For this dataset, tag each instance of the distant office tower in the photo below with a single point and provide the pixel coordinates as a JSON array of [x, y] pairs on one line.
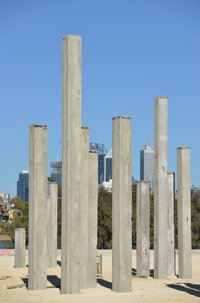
[[147, 165], [56, 171], [23, 185], [101, 155], [108, 166]]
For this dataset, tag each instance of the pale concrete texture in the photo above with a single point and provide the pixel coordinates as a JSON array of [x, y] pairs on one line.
[[184, 213], [37, 269], [170, 213], [92, 218], [20, 243], [84, 207], [121, 204], [143, 229], [52, 208], [160, 187], [71, 157]]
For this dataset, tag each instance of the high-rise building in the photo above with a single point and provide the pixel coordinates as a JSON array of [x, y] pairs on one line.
[[23, 185], [101, 149], [56, 171], [108, 166], [147, 165]]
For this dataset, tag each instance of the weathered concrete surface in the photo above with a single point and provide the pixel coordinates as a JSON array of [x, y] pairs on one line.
[[184, 213], [71, 157], [121, 205], [20, 243], [84, 207], [170, 213], [143, 229], [52, 209], [160, 187], [92, 218], [37, 269]]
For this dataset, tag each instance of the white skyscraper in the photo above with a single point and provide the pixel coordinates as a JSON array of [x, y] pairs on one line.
[[147, 165]]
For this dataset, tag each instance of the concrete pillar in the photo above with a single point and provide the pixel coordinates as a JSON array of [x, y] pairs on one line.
[[170, 214], [184, 213], [143, 229], [52, 209], [37, 268], [160, 187], [20, 250], [121, 205], [84, 203], [92, 218], [71, 156]]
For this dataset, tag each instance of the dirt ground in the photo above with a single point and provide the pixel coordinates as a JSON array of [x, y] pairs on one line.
[[143, 290]]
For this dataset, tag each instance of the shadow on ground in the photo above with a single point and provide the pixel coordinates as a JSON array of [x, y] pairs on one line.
[[192, 289], [53, 279], [104, 283]]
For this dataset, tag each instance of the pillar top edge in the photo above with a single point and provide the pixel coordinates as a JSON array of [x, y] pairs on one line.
[[78, 37], [162, 97], [170, 173], [39, 125], [84, 127], [183, 147], [93, 151], [121, 117]]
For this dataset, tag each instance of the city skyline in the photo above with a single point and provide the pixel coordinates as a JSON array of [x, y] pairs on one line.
[[132, 52]]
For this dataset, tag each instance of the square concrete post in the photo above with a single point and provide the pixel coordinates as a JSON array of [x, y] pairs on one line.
[[37, 268], [184, 213], [170, 213], [160, 187], [71, 157], [143, 229], [20, 250], [121, 205], [52, 209], [92, 219], [84, 207]]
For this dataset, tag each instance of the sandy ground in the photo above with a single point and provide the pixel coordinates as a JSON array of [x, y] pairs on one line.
[[143, 290]]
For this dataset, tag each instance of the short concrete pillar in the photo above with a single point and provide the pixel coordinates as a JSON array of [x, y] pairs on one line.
[[71, 157], [143, 229], [184, 213], [92, 219], [121, 205], [170, 214], [52, 209], [37, 267], [20, 250], [160, 187], [84, 207]]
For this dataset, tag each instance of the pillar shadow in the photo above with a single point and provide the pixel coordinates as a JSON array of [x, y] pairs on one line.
[[192, 289], [104, 283], [54, 280], [25, 280], [59, 263]]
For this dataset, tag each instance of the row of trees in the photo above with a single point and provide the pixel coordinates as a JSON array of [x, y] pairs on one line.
[[105, 219]]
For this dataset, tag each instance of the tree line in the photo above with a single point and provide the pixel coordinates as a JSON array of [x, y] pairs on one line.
[[105, 219]]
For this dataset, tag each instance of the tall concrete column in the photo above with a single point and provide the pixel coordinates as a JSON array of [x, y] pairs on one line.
[[121, 205], [52, 208], [92, 218], [84, 206], [20, 250], [170, 213], [160, 187], [184, 213], [37, 269], [71, 156], [143, 229]]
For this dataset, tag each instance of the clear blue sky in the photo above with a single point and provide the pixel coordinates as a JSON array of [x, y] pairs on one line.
[[132, 51]]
